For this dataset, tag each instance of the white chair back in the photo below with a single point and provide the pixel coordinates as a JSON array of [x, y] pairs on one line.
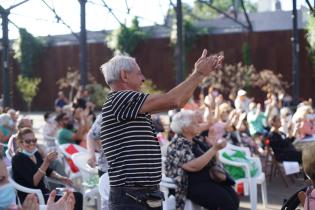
[[21, 188], [250, 183], [168, 183], [104, 188], [80, 159]]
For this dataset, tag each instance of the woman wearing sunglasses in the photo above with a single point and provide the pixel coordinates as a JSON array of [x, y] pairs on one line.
[[29, 168]]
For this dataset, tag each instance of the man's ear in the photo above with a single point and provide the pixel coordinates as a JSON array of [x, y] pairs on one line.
[[123, 76]]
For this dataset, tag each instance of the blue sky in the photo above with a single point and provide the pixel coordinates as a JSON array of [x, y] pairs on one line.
[[40, 21]]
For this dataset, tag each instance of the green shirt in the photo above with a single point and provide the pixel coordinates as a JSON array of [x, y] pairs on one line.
[[64, 136], [256, 125]]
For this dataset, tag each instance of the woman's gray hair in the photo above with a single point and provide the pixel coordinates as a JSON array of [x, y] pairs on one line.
[[111, 69], [181, 120], [4, 119]]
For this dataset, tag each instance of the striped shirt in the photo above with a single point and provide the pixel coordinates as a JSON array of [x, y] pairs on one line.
[[129, 141]]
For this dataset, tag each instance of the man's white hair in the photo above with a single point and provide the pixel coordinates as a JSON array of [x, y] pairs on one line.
[[111, 69], [182, 120]]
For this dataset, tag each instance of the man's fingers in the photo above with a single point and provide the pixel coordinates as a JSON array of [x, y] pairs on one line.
[[52, 196], [204, 53]]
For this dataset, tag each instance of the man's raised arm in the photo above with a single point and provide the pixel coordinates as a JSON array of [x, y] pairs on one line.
[[179, 95]]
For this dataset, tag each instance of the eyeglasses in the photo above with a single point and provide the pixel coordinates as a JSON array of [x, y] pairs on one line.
[[28, 141]]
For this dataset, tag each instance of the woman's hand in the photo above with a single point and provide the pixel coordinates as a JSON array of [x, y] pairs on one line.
[[219, 144], [51, 156], [30, 202], [66, 202]]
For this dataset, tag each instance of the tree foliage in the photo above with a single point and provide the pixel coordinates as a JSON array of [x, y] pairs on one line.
[[28, 87], [246, 53], [125, 39], [203, 11], [72, 81], [149, 87], [98, 93], [310, 37], [27, 50], [234, 77]]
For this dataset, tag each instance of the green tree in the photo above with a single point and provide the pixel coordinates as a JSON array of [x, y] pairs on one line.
[[310, 37], [98, 93], [234, 77], [28, 87], [203, 11], [27, 50], [246, 53], [149, 87], [125, 39], [72, 81]]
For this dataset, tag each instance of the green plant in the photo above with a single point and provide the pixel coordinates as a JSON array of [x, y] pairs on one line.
[[310, 37], [149, 87], [234, 77], [190, 30], [203, 11], [28, 87], [246, 53], [98, 93], [72, 81], [27, 50], [124, 39]]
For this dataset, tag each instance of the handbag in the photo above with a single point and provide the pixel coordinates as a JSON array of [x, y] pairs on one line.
[[217, 173]]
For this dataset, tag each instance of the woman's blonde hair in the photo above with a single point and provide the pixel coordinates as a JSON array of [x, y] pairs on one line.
[[308, 160], [21, 133]]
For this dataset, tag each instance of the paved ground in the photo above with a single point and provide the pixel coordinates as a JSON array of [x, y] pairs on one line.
[[276, 189]]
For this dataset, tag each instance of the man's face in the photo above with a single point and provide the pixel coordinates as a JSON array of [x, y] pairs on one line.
[[135, 78]]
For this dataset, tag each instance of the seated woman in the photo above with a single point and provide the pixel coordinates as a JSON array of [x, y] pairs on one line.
[[29, 169], [281, 144], [189, 166], [8, 196]]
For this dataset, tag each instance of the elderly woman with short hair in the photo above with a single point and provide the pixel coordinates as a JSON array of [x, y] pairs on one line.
[[188, 163]]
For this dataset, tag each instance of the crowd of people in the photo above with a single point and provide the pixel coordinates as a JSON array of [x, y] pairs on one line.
[[130, 140], [32, 161]]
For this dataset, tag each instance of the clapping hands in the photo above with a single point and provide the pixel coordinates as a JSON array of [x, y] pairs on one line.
[[66, 202], [205, 65], [217, 143]]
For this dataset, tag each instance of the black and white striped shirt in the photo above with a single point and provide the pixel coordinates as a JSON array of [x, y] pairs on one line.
[[129, 142]]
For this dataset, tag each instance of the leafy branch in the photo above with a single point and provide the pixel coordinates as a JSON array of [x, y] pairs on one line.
[[124, 39]]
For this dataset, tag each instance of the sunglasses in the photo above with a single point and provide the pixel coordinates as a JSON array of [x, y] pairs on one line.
[[28, 141]]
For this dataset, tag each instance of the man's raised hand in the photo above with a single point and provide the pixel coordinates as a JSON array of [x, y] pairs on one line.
[[205, 65]]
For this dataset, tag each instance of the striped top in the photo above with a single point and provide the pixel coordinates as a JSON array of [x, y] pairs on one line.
[[129, 141]]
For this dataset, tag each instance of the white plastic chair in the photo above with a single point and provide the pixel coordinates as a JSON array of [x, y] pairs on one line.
[[62, 151], [250, 183], [80, 159], [21, 188], [104, 188], [168, 183], [238, 148]]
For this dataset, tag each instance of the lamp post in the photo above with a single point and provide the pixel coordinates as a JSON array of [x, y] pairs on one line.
[[5, 53], [295, 57], [83, 50], [179, 49], [5, 58]]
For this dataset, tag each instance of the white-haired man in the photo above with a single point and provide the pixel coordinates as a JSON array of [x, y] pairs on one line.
[[127, 133]]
